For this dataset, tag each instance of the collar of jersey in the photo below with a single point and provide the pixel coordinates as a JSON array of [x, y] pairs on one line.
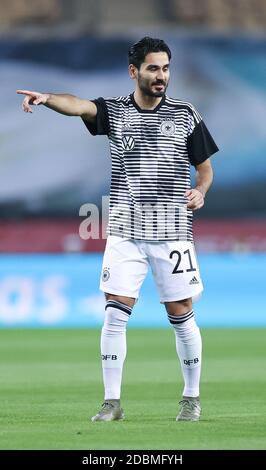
[[146, 110]]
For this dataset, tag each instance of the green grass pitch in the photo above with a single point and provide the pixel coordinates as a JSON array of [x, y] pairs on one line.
[[51, 385]]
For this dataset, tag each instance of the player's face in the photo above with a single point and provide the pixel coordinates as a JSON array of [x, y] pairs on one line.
[[153, 75]]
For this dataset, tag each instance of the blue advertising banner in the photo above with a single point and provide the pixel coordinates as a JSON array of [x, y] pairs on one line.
[[62, 291]]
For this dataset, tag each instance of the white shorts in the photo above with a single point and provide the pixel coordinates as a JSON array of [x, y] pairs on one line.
[[173, 263]]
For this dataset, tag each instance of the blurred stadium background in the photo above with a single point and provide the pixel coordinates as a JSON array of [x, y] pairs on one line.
[[50, 167]]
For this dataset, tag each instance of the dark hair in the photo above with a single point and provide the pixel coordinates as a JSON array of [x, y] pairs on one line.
[[139, 50]]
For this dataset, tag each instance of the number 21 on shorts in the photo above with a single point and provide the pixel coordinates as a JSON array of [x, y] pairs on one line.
[[188, 260]]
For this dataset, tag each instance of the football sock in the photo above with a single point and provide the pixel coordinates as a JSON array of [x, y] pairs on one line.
[[114, 347], [188, 347]]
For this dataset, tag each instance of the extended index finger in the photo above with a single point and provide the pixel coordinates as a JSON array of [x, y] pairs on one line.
[[26, 92]]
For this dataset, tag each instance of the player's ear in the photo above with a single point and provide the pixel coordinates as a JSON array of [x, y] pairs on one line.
[[133, 71]]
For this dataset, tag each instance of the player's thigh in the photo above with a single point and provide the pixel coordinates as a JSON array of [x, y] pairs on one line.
[[176, 272], [124, 267]]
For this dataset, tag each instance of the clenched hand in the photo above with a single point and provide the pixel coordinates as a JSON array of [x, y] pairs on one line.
[[195, 199]]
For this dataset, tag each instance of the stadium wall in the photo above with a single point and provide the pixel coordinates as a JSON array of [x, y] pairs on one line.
[[62, 235]]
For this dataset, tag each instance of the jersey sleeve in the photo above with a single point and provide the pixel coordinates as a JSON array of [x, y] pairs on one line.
[[200, 144], [102, 125]]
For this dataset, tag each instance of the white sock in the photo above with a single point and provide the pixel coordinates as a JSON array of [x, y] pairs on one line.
[[114, 347], [189, 348]]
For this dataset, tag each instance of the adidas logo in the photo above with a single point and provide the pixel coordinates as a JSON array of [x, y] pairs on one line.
[[194, 280]]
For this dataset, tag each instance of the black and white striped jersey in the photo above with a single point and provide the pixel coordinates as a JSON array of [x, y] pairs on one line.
[[151, 151]]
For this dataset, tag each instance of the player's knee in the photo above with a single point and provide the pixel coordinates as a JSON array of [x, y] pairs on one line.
[[129, 301], [179, 307]]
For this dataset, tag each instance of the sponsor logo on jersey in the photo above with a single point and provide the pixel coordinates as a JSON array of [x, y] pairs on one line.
[[167, 127], [128, 142], [194, 280], [126, 128]]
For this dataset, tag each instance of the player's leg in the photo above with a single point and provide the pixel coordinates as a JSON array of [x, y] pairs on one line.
[[124, 269], [113, 343], [113, 353], [189, 350], [177, 276]]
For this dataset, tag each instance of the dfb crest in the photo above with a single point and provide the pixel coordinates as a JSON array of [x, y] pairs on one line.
[[167, 127]]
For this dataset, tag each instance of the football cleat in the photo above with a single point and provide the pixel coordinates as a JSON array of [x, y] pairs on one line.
[[190, 409], [110, 411]]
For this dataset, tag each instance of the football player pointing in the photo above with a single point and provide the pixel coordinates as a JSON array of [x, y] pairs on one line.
[[154, 139]]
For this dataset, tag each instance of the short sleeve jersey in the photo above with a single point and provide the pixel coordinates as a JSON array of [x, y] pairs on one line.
[[152, 151]]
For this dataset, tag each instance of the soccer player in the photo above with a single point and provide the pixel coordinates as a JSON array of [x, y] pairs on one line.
[[154, 139]]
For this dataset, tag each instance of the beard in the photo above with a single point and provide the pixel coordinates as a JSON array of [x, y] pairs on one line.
[[146, 87]]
